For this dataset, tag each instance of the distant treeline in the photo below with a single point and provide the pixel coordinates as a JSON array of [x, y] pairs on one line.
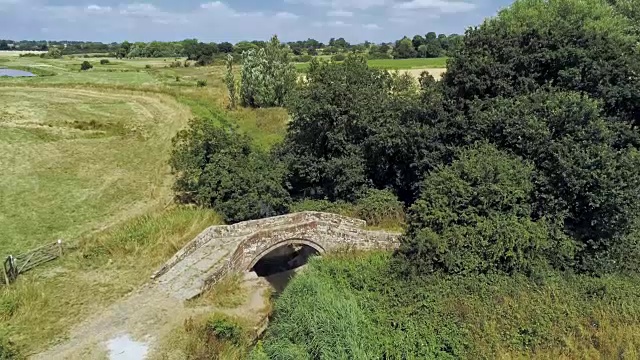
[[431, 45]]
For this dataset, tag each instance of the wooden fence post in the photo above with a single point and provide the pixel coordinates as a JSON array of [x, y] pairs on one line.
[[6, 276]]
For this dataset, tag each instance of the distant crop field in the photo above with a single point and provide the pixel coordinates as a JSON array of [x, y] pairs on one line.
[[407, 64], [395, 64], [18, 52]]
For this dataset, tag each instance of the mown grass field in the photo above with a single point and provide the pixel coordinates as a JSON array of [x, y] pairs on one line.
[[78, 160]]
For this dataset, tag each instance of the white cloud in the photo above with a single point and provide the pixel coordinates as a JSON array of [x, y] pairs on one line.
[[340, 13], [97, 9], [331, 24], [286, 15], [341, 4], [371, 26], [140, 9], [444, 6], [213, 5]]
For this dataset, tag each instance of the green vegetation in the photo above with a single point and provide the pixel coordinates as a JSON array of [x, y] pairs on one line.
[[77, 160], [209, 337], [86, 66], [103, 267], [473, 216], [519, 174], [354, 306], [217, 167], [395, 64], [267, 76]]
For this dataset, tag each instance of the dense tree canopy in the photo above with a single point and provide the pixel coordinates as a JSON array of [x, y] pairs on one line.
[[581, 45], [218, 167], [475, 216]]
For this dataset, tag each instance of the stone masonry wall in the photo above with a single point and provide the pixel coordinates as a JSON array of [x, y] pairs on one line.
[[220, 250]]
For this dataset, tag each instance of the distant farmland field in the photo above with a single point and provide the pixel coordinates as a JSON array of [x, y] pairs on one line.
[[396, 64]]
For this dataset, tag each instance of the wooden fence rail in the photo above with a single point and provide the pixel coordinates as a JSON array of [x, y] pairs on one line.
[[16, 265]]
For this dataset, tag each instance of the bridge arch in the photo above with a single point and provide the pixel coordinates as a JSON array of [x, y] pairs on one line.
[[294, 241]]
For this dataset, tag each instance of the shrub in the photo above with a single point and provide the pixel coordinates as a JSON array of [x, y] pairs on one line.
[[201, 83], [8, 350], [104, 62], [177, 78], [147, 66], [380, 208], [303, 58], [175, 64], [352, 127], [474, 216], [224, 329], [85, 66], [267, 75], [315, 319], [339, 57], [217, 167], [584, 174]]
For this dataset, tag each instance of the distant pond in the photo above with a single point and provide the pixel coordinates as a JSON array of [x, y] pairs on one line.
[[14, 73]]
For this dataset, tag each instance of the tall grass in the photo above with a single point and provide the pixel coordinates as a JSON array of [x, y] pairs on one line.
[[556, 316], [214, 336]]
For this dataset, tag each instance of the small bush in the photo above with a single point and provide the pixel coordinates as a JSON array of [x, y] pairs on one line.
[[175, 64], [147, 66], [380, 208], [104, 62], [8, 350], [223, 329], [338, 57], [337, 207], [201, 83], [86, 66], [303, 58], [177, 78]]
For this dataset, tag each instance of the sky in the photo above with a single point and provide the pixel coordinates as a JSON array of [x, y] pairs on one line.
[[237, 20]]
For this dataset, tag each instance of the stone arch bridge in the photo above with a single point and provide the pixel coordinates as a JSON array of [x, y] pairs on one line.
[[220, 250]]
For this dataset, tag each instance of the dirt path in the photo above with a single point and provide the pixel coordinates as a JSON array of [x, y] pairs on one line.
[[146, 317]]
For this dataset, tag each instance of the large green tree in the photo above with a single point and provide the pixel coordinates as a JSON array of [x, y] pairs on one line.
[[475, 216], [267, 75], [581, 45]]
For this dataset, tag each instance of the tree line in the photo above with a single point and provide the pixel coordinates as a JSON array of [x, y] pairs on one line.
[[203, 53]]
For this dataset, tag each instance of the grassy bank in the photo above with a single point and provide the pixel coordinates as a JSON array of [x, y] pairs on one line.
[[353, 306], [45, 303]]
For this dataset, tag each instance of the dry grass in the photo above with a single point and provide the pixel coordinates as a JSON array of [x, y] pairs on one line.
[[226, 294]]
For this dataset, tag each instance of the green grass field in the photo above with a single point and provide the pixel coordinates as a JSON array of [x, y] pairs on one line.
[[396, 64]]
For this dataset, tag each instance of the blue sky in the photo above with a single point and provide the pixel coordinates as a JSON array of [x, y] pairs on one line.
[[236, 20]]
